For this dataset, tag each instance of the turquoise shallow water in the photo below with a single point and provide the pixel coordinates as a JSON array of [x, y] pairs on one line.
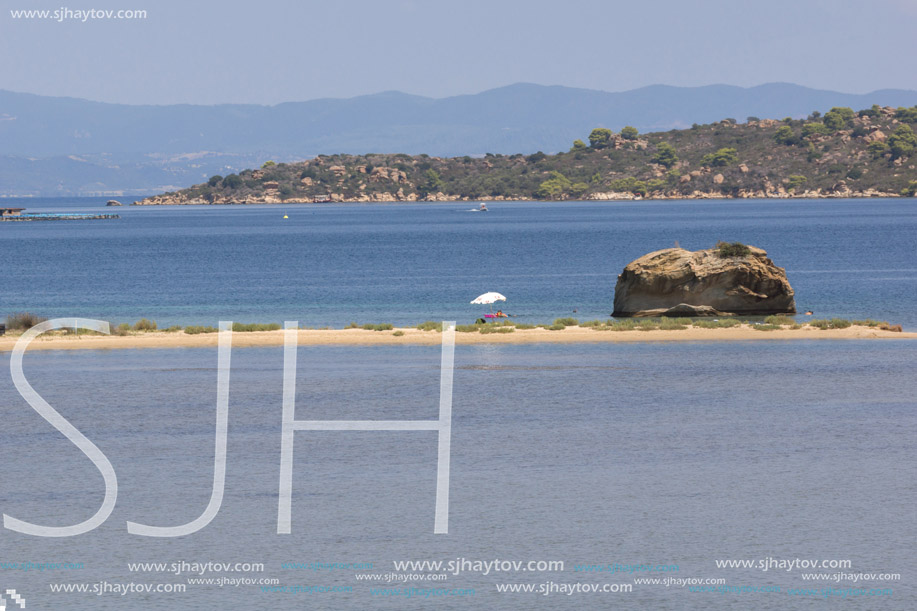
[[674, 454], [333, 264]]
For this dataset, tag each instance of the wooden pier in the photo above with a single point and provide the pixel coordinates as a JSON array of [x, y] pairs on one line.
[[50, 216]]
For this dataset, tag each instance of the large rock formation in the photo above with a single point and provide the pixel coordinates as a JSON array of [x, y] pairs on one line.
[[702, 283]]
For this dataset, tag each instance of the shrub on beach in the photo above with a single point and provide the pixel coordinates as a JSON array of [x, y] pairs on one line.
[[380, 327], [834, 323], [249, 327], [398, 333], [674, 324], [497, 329], [628, 324], [646, 324], [779, 320], [430, 325], [195, 330], [722, 323], [879, 324], [145, 325], [566, 322], [122, 329], [22, 321]]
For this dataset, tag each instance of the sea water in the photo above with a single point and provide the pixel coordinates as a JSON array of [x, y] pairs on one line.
[[332, 264], [674, 455], [657, 458]]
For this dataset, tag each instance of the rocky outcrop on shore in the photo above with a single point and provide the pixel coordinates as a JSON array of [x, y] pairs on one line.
[[181, 199], [675, 281], [841, 192]]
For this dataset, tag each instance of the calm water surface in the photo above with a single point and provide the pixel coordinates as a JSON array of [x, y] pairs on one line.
[[675, 454], [333, 264]]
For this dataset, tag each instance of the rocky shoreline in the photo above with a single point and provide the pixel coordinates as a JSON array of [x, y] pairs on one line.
[[180, 199]]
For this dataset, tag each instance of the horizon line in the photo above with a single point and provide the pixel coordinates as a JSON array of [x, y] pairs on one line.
[[460, 95]]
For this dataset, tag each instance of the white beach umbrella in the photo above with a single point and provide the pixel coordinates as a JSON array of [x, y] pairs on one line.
[[487, 298]]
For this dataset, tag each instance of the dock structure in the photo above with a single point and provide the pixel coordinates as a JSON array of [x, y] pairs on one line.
[[19, 214]]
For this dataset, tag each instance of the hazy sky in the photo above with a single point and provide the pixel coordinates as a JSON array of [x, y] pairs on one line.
[[204, 51]]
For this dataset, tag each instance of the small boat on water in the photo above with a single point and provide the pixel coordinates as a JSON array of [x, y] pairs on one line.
[[483, 207]]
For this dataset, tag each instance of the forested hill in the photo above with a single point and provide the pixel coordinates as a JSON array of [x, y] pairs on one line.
[[842, 153]]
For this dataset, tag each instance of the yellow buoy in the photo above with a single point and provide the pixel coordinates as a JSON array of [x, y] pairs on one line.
[[285, 216]]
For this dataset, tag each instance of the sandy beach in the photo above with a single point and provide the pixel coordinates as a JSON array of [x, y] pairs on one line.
[[361, 337]]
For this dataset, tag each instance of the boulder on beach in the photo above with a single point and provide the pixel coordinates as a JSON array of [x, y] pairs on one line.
[[734, 279]]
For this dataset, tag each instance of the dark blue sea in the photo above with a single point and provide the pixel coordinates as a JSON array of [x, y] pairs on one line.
[[328, 265]]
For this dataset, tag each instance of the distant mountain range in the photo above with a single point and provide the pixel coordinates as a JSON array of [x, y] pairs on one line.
[[67, 146]]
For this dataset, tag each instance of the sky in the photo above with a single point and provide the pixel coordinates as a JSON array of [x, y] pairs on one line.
[[230, 51]]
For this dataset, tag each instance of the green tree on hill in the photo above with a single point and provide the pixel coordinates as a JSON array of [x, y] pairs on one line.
[[629, 133], [578, 188], [432, 182], [903, 142], [665, 155], [215, 180], [554, 187], [723, 157], [785, 135], [632, 185], [536, 157], [815, 129], [578, 145], [907, 115], [600, 137], [877, 149], [794, 182], [839, 118], [233, 181]]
